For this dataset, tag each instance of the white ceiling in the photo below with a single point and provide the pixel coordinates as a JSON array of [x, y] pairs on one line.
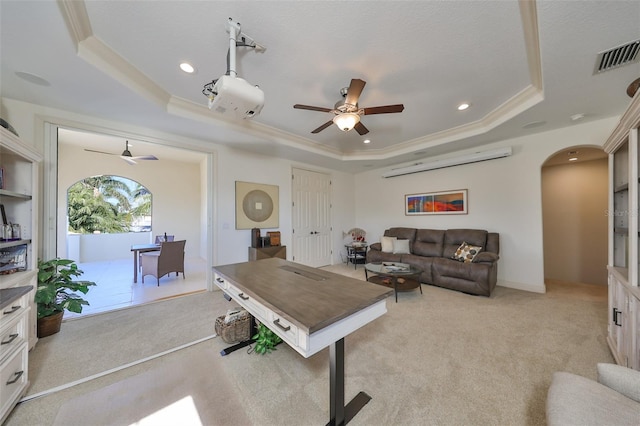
[[516, 63]]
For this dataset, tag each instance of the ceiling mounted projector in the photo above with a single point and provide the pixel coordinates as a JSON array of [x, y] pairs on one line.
[[235, 97], [230, 95]]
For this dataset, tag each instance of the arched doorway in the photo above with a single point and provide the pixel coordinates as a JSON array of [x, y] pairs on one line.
[[574, 204]]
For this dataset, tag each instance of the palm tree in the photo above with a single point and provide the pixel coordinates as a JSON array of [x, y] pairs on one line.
[[89, 213], [99, 204], [141, 201], [110, 187]]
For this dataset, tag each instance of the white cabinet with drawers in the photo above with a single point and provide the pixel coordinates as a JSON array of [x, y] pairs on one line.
[[14, 346]]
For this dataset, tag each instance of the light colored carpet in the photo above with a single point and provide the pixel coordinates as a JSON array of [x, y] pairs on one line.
[[191, 390], [90, 345], [442, 358]]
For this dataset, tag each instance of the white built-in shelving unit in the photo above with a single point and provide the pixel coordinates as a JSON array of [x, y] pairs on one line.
[[624, 238], [18, 279]]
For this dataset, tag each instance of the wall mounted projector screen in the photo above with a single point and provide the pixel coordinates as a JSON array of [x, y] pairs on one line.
[[449, 162]]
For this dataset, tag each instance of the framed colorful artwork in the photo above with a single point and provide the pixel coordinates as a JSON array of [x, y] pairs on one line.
[[443, 202]]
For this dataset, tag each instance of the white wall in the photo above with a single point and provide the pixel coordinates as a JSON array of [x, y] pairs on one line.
[[233, 165], [504, 196], [103, 247], [229, 245], [174, 186]]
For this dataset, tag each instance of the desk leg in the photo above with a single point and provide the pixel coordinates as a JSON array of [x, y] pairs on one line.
[[341, 415], [135, 267]]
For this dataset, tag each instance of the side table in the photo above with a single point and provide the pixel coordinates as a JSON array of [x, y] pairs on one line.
[[356, 253]]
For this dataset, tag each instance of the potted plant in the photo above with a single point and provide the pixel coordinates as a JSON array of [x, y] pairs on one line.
[[266, 340], [57, 292]]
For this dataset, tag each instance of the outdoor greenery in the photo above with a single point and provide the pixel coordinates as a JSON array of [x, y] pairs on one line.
[[57, 290], [106, 204]]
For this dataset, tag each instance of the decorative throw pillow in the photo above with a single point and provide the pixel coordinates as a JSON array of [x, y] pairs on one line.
[[387, 244], [401, 246], [466, 253]]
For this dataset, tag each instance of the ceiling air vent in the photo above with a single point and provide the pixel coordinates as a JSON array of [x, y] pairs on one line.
[[618, 56]]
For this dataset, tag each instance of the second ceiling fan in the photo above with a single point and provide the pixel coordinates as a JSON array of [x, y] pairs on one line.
[[126, 155], [347, 113]]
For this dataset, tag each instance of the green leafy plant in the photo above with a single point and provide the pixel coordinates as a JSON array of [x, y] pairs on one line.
[[266, 340], [57, 289]]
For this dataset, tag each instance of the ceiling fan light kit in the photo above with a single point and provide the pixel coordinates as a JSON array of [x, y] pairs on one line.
[[230, 95], [347, 113], [346, 121]]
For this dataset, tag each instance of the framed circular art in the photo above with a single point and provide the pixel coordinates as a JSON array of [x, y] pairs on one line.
[[256, 205]]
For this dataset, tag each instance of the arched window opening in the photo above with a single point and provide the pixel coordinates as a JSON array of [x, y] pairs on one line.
[[108, 204]]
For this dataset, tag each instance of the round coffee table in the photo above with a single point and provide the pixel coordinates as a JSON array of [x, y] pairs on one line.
[[399, 276]]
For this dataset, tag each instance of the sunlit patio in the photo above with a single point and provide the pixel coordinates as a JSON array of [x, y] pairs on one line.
[[115, 288]]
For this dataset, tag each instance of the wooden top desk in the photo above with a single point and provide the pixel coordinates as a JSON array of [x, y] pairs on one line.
[[309, 309]]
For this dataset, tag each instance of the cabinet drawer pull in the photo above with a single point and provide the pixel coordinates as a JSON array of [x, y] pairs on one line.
[[280, 326], [13, 309], [16, 377], [243, 297], [615, 317], [12, 337]]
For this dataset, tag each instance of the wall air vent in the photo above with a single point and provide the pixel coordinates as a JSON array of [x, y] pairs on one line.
[[618, 56]]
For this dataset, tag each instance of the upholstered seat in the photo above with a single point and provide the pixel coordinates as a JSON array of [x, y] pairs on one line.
[[613, 400], [158, 240], [169, 259]]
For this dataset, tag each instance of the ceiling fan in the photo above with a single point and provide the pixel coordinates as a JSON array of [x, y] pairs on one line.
[[347, 113], [126, 155]]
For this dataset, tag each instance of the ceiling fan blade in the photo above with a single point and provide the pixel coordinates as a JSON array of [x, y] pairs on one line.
[[387, 109], [354, 91], [99, 152], [312, 108], [144, 157], [324, 126], [128, 160], [360, 128]]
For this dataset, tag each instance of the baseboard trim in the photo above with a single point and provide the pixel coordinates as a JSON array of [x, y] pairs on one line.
[[539, 288]]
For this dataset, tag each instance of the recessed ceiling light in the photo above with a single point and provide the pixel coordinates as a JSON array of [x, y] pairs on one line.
[[366, 141], [462, 107], [187, 67], [573, 159]]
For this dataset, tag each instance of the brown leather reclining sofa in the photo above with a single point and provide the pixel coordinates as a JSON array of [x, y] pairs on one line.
[[432, 250]]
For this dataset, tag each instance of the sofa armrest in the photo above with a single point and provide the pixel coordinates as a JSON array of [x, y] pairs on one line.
[[621, 379], [376, 246], [486, 256]]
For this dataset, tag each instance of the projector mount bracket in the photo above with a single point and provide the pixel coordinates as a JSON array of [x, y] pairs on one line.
[[236, 39]]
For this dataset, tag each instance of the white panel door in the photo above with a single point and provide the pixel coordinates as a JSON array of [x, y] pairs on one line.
[[311, 218]]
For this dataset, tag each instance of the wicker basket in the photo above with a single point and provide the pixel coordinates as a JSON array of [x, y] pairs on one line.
[[235, 331]]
